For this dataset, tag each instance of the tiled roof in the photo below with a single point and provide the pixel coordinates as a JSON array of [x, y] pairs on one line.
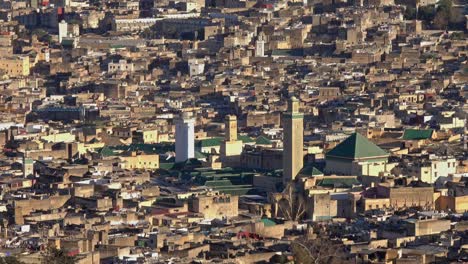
[[415, 134], [268, 222], [216, 141], [245, 139], [209, 142], [355, 147], [338, 182], [261, 140], [310, 170], [107, 152]]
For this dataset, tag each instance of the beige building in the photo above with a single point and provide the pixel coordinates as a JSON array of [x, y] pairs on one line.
[[145, 136], [404, 197], [293, 132], [427, 227], [433, 170], [320, 207], [215, 205], [15, 66], [454, 203], [141, 161]]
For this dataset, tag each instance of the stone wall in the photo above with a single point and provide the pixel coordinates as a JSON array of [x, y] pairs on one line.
[[217, 206], [408, 197], [25, 207]]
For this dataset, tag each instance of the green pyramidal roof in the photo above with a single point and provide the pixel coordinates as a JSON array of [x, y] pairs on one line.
[[357, 147], [310, 170], [261, 140]]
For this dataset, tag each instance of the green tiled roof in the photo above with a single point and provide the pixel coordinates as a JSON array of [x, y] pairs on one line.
[[209, 142], [192, 162], [218, 183], [288, 52], [355, 147], [268, 222], [199, 155], [236, 190], [166, 166], [261, 140], [338, 182], [415, 134], [107, 152], [67, 42], [310, 170], [245, 139], [216, 141]]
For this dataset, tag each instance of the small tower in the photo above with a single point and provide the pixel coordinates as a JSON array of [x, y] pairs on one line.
[[231, 128], [28, 166], [231, 148], [260, 46], [63, 30]]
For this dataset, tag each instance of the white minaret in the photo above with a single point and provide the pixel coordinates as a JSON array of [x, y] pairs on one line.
[[185, 137], [63, 30], [260, 46]]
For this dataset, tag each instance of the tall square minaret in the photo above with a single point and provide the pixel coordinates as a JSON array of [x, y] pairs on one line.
[[185, 137], [293, 141]]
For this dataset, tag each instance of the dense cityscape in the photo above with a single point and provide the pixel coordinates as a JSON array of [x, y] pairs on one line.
[[233, 131]]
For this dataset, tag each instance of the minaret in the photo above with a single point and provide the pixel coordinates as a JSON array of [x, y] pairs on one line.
[[28, 165], [185, 137], [293, 141], [63, 30], [260, 46], [231, 148], [231, 128]]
